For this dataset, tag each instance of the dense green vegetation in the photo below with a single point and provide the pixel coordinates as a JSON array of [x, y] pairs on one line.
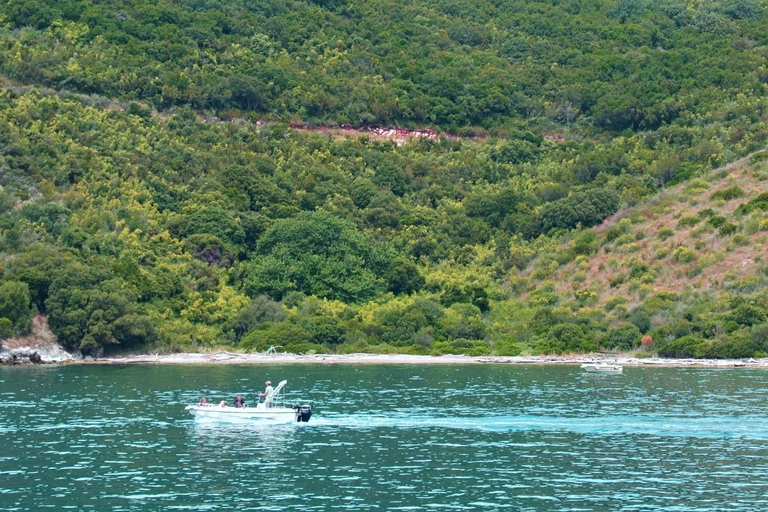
[[133, 229], [501, 66]]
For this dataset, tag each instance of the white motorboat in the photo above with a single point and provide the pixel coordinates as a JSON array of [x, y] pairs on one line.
[[602, 367], [271, 410]]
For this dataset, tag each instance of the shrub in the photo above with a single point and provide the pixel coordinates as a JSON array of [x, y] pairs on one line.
[[274, 334], [616, 280], [585, 296], [509, 348], [630, 248], [717, 220], [462, 346], [623, 337], [665, 233], [662, 300], [759, 335], [625, 239], [727, 194], [759, 203], [687, 221], [261, 309], [649, 277], [695, 271], [612, 233], [748, 314], [638, 271], [681, 347], [585, 208], [543, 320], [585, 243], [736, 347], [613, 302], [567, 337], [696, 185], [684, 255], [741, 240], [760, 156], [643, 290], [300, 347], [728, 229], [699, 231], [641, 319], [6, 328]]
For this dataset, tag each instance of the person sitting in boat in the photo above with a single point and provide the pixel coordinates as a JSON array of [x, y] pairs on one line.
[[239, 402], [268, 392], [203, 402]]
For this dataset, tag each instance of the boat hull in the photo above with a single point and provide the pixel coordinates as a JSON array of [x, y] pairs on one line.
[[236, 415], [268, 410], [602, 368]]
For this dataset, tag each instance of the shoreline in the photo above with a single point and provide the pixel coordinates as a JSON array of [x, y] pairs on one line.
[[217, 358]]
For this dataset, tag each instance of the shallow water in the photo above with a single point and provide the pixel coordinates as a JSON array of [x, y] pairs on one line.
[[475, 437]]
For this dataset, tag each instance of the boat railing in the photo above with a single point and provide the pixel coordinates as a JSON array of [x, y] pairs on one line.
[[277, 397]]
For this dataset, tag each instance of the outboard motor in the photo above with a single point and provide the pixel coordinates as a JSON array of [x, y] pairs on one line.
[[304, 412]]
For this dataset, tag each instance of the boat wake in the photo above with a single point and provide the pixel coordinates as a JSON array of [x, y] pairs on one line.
[[704, 427]]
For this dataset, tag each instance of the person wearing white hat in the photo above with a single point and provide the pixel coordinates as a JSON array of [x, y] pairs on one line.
[[268, 392]]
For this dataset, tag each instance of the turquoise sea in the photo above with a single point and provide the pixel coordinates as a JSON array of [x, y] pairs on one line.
[[407, 438]]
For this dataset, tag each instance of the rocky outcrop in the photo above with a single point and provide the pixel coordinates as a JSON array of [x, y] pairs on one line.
[[35, 354], [38, 347]]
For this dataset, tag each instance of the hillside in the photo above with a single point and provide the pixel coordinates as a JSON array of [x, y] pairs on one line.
[[472, 65], [187, 175], [704, 235], [684, 272]]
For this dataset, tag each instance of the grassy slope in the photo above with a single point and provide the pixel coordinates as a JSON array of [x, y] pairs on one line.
[[719, 259], [666, 256]]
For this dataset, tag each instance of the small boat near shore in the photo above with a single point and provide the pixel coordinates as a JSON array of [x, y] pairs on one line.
[[265, 411], [602, 367]]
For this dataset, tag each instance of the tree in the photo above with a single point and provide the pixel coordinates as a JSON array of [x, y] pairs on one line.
[[402, 276], [89, 310], [318, 254], [36, 267], [14, 306], [260, 310], [585, 208], [215, 221], [626, 9], [742, 9], [134, 330], [623, 337]]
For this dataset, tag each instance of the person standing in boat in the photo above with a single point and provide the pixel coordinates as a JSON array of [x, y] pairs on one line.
[[268, 392], [239, 403]]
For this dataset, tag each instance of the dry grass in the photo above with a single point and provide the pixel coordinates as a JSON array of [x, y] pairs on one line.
[[717, 258]]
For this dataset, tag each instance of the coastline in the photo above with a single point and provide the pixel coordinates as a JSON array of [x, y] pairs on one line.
[[223, 357]]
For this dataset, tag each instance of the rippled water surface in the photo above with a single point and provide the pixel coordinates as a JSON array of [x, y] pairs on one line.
[[480, 437]]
